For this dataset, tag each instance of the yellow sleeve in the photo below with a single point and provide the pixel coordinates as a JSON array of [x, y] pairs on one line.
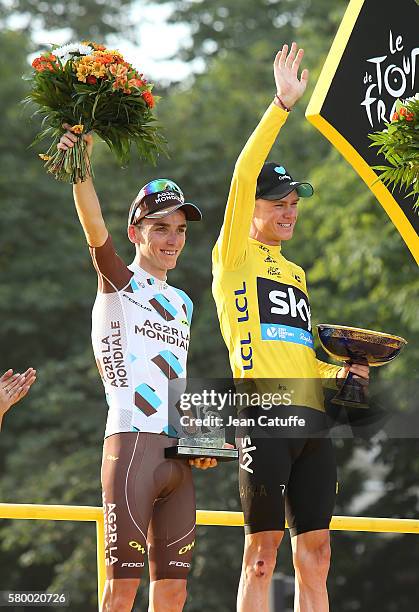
[[328, 371], [230, 249]]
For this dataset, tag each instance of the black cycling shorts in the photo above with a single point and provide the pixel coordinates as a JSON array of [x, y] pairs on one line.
[[292, 478], [149, 507]]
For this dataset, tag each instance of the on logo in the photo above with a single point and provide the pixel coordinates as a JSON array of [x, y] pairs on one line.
[[186, 548], [137, 546]]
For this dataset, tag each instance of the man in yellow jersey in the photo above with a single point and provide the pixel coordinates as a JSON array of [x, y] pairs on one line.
[[264, 314]]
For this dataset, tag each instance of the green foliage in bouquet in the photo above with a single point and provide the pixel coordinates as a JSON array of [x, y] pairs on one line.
[[91, 88], [399, 143]]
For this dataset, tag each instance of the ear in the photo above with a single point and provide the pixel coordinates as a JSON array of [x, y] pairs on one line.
[[133, 234]]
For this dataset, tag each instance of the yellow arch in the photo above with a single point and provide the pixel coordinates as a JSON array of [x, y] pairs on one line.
[[313, 114]]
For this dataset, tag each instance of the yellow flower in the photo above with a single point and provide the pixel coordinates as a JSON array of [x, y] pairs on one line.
[[82, 72], [108, 52], [77, 129], [98, 70]]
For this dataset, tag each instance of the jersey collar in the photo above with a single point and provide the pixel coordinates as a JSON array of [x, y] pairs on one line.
[[146, 277], [272, 247]]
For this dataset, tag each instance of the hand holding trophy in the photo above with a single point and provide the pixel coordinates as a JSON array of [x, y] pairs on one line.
[[362, 346], [203, 438]]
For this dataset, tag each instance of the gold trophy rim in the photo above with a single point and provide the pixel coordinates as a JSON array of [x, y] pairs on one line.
[[363, 330]]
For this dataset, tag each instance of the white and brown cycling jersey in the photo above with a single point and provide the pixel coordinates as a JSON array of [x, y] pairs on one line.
[[140, 337]]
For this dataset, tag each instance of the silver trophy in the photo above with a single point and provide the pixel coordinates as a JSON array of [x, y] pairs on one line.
[[204, 436]]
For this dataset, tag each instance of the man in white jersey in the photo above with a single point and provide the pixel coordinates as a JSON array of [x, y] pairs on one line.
[[140, 336]]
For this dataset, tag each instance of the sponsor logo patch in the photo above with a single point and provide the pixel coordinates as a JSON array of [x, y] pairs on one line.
[[180, 563], [246, 455], [186, 548], [284, 313], [137, 546]]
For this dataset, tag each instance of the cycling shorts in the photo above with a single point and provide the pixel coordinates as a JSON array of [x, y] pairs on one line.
[[282, 478], [149, 507]]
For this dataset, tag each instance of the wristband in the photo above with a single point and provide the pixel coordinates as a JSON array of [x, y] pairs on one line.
[[282, 104]]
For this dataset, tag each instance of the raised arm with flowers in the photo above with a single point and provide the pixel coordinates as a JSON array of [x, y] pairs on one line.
[[92, 88]]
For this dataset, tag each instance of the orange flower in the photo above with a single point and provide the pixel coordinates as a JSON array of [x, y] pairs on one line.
[[148, 98], [97, 47], [395, 117], [120, 83], [104, 59], [45, 62], [118, 71], [135, 82], [108, 57]]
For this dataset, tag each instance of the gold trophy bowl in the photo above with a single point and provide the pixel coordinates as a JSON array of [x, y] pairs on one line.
[[362, 346]]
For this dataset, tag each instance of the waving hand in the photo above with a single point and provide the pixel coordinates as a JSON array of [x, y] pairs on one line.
[[289, 87]]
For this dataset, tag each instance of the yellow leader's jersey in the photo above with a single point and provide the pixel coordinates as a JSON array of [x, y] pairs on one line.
[[261, 297]]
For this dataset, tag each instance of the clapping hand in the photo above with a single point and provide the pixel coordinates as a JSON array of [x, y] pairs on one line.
[[14, 387]]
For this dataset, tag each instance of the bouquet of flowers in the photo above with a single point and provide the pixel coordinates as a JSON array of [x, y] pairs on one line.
[[399, 143], [92, 88]]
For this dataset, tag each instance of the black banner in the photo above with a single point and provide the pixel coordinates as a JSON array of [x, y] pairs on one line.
[[373, 62]]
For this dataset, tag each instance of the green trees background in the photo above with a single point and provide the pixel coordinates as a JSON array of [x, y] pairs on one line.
[[359, 273]]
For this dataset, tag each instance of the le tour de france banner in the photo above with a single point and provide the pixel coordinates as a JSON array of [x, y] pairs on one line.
[[373, 62]]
